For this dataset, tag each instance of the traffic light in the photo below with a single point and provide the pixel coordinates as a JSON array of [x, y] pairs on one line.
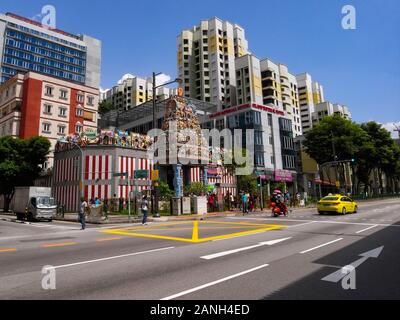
[[259, 182]]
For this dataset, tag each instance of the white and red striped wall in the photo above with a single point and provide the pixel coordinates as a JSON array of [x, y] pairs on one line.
[[100, 162]]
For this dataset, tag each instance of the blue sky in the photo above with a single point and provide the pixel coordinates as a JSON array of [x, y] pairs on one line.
[[359, 68]]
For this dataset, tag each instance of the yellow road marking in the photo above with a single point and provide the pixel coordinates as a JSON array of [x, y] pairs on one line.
[[53, 245], [195, 231], [8, 250], [195, 234], [108, 239]]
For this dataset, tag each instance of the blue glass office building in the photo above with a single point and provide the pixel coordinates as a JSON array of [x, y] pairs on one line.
[[26, 45]]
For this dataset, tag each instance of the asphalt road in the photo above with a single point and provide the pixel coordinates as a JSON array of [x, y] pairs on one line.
[[238, 258]]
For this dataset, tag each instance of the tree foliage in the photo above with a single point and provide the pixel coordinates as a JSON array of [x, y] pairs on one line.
[[369, 144], [105, 106], [20, 162]]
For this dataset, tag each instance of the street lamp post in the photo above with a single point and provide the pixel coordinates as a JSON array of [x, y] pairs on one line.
[[155, 126]]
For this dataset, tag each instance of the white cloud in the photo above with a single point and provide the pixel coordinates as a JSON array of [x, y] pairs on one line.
[[125, 77], [392, 127], [162, 78]]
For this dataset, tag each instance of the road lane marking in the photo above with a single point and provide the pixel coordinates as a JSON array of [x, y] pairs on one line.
[[320, 246], [8, 250], [111, 258], [108, 239], [55, 245], [324, 221], [225, 253], [183, 293], [374, 226], [195, 233], [302, 224]]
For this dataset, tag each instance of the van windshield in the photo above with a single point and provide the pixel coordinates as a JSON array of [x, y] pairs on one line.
[[45, 201]]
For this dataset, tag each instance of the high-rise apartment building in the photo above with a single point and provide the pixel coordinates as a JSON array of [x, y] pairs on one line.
[[27, 45], [206, 60], [310, 94], [326, 109], [132, 91], [280, 89]]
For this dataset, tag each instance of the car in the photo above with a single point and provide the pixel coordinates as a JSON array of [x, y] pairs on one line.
[[337, 204]]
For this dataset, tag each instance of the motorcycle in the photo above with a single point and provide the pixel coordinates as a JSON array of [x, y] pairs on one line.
[[279, 209]]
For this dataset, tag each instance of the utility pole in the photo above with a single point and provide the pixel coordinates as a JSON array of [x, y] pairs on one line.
[[335, 158]]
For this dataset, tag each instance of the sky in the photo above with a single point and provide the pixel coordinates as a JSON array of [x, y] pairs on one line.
[[359, 68]]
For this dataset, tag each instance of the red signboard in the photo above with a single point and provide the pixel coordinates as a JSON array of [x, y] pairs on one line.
[[246, 106], [283, 176]]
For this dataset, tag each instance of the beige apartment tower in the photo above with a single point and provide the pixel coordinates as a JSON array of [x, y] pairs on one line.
[[206, 60]]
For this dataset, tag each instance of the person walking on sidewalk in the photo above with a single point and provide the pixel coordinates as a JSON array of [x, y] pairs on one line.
[[145, 209], [82, 213]]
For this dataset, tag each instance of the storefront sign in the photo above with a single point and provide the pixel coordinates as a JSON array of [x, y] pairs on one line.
[[283, 176]]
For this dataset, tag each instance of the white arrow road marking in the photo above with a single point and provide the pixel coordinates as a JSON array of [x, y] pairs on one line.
[[214, 282], [225, 253], [339, 275]]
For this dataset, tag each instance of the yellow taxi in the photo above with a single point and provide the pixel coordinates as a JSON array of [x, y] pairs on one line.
[[338, 204]]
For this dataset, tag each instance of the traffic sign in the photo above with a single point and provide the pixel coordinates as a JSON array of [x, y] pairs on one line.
[[155, 175], [120, 174], [141, 174]]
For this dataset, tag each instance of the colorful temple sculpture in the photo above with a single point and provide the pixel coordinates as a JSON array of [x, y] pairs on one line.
[[89, 163]]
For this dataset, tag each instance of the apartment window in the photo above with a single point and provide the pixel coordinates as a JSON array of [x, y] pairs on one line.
[[79, 112], [185, 41], [62, 112], [79, 97], [61, 130], [46, 127], [205, 32], [49, 91], [90, 100], [47, 109], [78, 128], [63, 94], [220, 124]]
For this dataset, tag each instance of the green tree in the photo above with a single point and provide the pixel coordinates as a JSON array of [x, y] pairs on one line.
[[196, 188], [347, 139], [247, 184], [164, 191], [105, 106], [20, 162], [386, 153]]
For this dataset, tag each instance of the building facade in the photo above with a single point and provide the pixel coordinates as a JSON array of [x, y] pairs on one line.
[[33, 104], [280, 89], [132, 91], [310, 94], [27, 45], [206, 60], [325, 109]]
